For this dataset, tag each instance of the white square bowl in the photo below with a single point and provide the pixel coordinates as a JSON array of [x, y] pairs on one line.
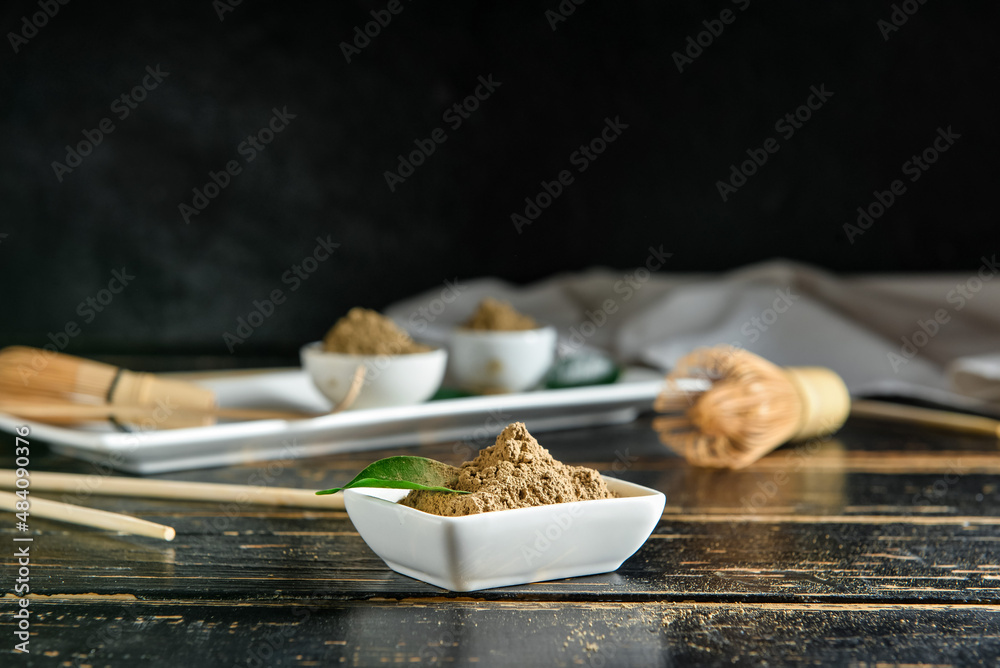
[[506, 547]]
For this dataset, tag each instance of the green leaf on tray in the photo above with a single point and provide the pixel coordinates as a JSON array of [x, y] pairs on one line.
[[404, 473], [582, 370]]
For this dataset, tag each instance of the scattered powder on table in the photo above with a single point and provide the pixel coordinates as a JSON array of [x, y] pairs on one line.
[[498, 316], [365, 332], [514, 472]]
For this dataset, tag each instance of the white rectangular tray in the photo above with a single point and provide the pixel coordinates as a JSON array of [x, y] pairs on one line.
[[477, 419]]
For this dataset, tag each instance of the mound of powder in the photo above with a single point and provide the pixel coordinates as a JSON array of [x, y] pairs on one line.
[[366, 332], [495, 315], [514, 472]]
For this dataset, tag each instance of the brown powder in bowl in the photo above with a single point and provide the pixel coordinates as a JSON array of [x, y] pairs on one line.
[[495, 315], [366, 332], [514, 472]]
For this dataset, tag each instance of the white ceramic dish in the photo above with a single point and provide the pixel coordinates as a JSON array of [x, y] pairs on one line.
[[476, 419], [390, 380], [506, 547], [501, 361]]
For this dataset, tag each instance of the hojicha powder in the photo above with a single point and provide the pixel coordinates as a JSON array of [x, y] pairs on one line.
[[495, 315], [514, 472], [366, 332]]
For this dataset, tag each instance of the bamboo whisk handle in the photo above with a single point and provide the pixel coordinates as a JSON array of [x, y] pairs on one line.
[[145, 389], [826, 401]]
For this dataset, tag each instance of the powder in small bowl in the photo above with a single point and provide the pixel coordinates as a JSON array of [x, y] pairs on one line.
[[514, 472], [497, 316], [366, 332]]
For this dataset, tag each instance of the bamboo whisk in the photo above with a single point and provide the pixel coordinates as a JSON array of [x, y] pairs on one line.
[[45, 376], [747, 407]]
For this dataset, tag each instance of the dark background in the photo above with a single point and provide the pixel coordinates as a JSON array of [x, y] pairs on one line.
[[324, 174]]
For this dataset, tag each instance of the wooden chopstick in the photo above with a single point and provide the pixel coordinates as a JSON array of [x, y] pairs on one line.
[[176, 489], [225, 374], [926, 417], [71, 412], [91, 517]]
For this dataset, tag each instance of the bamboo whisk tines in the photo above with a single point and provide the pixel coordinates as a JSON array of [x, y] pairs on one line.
[[745, 406], [46, 377]]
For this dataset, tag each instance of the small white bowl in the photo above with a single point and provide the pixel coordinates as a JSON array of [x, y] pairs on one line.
[[390, 380], [487, 361], [506, 547]]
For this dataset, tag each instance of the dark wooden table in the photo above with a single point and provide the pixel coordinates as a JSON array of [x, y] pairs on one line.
[[878, 547]]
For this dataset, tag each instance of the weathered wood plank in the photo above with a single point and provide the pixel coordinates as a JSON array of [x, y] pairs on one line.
[[95, 632], [879, 513], [712, 557]]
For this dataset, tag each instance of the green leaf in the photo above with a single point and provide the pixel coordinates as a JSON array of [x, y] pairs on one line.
[[404, 473], [581, 370]]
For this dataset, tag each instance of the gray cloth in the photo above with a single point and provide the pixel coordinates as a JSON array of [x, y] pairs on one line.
[[935, 337]]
